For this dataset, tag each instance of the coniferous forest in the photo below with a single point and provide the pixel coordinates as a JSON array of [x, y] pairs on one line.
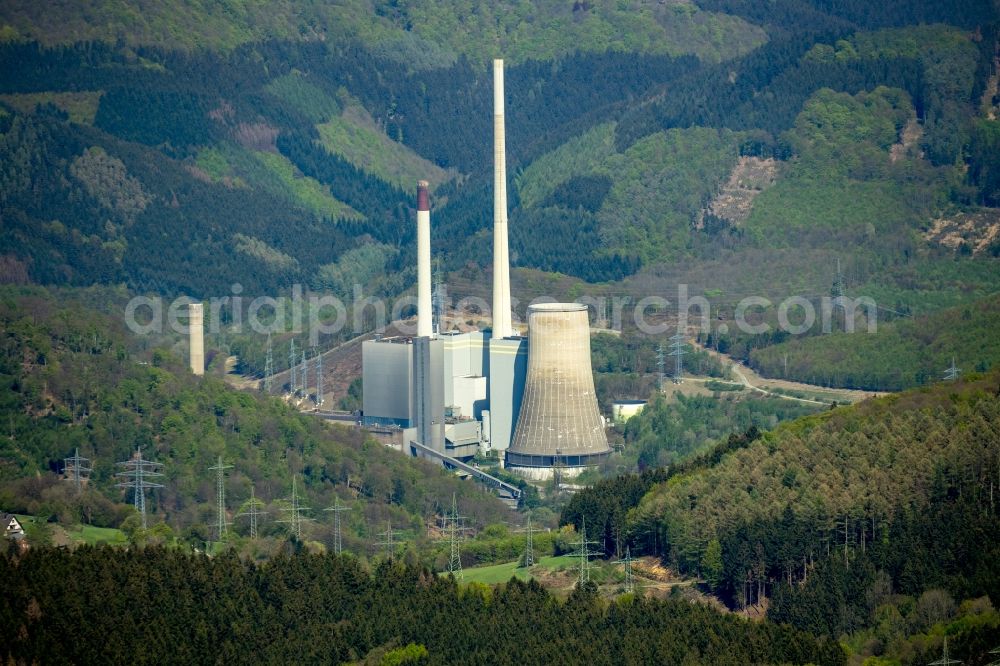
[[325, 609]]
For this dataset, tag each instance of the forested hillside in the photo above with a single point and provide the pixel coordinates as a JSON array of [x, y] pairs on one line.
[[269, 142], [665, 432], [904, 485], [903, 353], [311, 609], [422, 35], [868, 465], [75, 379], [273, 157]]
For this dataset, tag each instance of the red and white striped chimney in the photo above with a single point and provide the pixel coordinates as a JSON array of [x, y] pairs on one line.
[[425, 315]]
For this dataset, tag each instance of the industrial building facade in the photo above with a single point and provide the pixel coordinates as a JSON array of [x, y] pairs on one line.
[[463, 377]]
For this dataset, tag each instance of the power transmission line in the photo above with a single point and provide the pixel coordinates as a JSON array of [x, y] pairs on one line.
[[294, 512], [220, 498], [75, 468], [253, 511], [438, 299], [292, 363], [584, 553], [319, 379], [627, 561], [455, 533], [952, 373], [136, 472], [337, 508], [387, 542], [268, 367], [304, 376], [837, 290], [529, 545], [661, 360], [677, 350], [944, 660]]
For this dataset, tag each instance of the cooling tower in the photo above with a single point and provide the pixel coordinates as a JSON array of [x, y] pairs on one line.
[[424, 314], [196, 333], [559, 425]]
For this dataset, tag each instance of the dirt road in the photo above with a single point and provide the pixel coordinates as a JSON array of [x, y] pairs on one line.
[[812, 394]]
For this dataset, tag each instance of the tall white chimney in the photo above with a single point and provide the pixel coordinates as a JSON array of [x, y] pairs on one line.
[[502, 327], [196, 337], [425, 315]]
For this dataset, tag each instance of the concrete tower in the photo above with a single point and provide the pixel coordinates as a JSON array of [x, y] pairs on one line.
[[559, 423], [196, 333], [502, 326], [425, 314], [427, 373]]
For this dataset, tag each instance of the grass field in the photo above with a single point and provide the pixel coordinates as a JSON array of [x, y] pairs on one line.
[[80, 534], [97, 535], [501, 573]]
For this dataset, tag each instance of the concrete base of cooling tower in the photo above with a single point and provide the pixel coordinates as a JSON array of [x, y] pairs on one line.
[[542, 468]]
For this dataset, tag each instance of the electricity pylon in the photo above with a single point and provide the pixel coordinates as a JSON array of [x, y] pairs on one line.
[[952, 373], [319, 379], [837, 290], [529, 544], [253, 511], [387, 542], [677, 350], [294, 511], [944, 660], [584, 553], [438, 299], [453, 521], [292, 363], [136, 472], [627, 561], [304, 376], [75, 468], [268, 367], [220, 498], [338, 545], [660, 363]]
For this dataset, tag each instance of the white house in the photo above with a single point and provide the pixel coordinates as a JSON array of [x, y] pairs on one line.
[[11, 526]]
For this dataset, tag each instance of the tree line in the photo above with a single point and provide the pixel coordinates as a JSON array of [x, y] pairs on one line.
[[159, 606]]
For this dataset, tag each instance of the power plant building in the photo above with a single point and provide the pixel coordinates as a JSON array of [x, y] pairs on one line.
[[387, 380], [477, 380], [508, 365], [465, 365], [623, 410], [428, 393], [455, 393]]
